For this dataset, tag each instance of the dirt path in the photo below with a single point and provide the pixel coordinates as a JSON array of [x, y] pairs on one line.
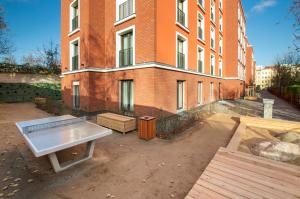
[[123, 166]]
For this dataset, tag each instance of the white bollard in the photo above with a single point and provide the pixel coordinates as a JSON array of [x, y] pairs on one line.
[[268, 108]]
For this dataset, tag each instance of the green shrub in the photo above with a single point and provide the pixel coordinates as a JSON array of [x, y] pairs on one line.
[[295, 89]]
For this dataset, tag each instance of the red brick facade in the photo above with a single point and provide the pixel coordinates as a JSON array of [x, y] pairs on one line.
[[154, 72]]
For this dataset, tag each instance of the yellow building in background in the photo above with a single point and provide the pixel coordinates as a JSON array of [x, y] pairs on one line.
[[264, 75]]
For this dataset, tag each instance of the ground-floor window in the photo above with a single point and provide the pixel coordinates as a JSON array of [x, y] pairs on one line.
[[76, 95], [180, 95], [211, 92], [200, 93], [127, 95]]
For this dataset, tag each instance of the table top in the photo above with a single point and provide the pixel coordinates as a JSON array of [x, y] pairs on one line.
[[56, 138]]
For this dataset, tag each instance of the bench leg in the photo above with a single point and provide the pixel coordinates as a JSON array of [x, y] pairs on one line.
[[61, 167]]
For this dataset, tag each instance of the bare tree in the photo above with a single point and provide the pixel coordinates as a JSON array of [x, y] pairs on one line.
[[295, 10], [31, 60], [50, 56], [5, 43]]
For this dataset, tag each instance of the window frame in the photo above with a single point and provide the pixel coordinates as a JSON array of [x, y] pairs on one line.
[[118, 44], [71, 44], [200, 93], [213, 10], [180, 109], [212, 72], [202, 26], [186, 11], [71, 7], [185, 49], [131, 99], [118, 3], [211, 92], [202, 57], [212, 36], [76, 83]]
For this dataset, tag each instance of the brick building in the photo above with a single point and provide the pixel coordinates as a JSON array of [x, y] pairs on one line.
[[152, 56]]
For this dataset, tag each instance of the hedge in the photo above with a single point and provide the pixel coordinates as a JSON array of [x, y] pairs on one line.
[[22, 92], [295, 89], [9, 68]]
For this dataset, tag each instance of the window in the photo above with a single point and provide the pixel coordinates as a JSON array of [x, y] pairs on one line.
[[200, 93], [212, 10], [200, 60], [125, 8], [182, 9], [211, 92], [126, 50], [181, 51], [220, 68], [180, 95], [220, 4], [212, 38], [74, 15], [125, 47], [127, 96], [76, 96], [221, 23], [201, 27], [201, 3], [221, 46], [74, 54], [212, 64]]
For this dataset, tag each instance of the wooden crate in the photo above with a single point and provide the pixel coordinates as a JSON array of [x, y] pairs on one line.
[[116, 122], [147, 128]]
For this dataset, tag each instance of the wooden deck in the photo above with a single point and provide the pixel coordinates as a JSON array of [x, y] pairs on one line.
[[233, 174]]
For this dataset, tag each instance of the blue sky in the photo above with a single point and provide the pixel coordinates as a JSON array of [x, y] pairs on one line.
[[33, 23]]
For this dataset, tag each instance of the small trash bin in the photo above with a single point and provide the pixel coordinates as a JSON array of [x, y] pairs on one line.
[[147, 127]]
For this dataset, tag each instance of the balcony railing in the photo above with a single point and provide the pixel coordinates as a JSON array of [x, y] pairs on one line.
[[75, 23], [181, 60], [75, 62], [200, 66], [181, 17], [126, 57], [125, 9], [200, 33]]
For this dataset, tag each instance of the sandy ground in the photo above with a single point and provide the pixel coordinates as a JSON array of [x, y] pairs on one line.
[[123, 166]]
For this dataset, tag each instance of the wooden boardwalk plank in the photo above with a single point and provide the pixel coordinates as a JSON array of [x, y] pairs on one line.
[[260, 187], [260, 170], [232, 174]]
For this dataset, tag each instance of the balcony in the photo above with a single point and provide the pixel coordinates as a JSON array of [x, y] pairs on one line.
[[125, 9], [75, 62], [181, 60], [181, 17], [200, 33], [75, 23], [126, 57], [200, 66]]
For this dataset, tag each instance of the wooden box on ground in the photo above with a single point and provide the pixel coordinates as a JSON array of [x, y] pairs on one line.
[[147, 127], [116, 122]]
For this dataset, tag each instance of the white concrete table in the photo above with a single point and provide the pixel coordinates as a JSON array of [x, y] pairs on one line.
[[50, 135]]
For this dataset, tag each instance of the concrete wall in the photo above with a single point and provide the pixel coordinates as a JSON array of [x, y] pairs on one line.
[[28, 78]]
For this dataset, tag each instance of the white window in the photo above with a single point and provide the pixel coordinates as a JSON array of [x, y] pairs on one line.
[[211, 92], [221, 23], [182, 12], [201, 26], [212, 38], [220, 68], [180, 95], [212, 64], [221, 46], [76, 95], [75, 54], [212, 10], [220, 4], [181, 51], [125, 47], [127, 96], [74, 16], [200, 93], [124, 9], [200, 60], [201, 3]]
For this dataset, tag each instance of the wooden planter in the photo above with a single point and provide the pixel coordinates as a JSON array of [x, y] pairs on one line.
[[147, 128], [116, 122]]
